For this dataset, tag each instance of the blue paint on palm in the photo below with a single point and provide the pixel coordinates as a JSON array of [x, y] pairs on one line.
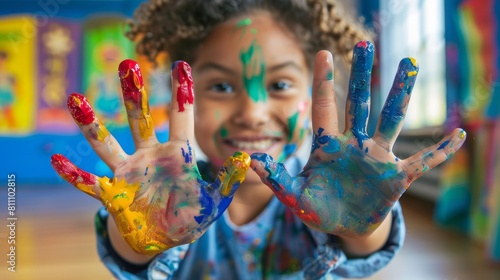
[[359, 89]]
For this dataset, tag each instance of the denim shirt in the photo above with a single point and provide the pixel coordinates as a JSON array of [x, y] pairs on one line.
[[275, 245]]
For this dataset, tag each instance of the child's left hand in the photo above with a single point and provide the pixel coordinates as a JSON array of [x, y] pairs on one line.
[[351, 181]]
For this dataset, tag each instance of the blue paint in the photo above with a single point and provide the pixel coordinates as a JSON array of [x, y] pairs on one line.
[[366, 150], [359, 89], [332, 146], [393, 113], [207, 204], [289, 149], [188, 156], [278, 177], [445, 143], [146, 172]]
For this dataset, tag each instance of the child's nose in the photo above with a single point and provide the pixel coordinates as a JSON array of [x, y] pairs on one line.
[[252, 114]]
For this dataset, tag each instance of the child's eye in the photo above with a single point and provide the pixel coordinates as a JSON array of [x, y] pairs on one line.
[[222, 87], [280, 86]]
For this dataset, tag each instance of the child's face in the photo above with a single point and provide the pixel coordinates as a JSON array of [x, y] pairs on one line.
[[252, 90]]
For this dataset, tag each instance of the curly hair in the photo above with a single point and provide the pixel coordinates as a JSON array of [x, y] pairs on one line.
[[177, 27]]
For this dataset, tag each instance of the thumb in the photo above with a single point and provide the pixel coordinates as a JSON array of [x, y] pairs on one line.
[[232, 174], [272, 173]]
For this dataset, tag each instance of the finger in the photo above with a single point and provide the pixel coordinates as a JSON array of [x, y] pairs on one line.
[[103, 143], [324, 106], [136, 103], [272, 173], [418, 164], [181, 110], [393, 113], [84, 181], [358, 98], [232, 174]]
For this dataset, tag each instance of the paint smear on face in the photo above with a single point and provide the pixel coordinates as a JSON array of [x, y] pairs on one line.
[[185, 92], [254, 70]]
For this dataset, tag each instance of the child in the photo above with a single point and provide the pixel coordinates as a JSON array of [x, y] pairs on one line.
[[333, 213]]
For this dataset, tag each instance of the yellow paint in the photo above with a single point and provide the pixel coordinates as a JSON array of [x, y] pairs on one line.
[[462, 134], [117, 196], [102, 132], [236, 169], [146, 122], [412, 73], [413, 61]]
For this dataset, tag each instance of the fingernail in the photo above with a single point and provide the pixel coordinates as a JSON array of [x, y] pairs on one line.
[[80, 109], [462, 134], [185, 93], [131, 81]]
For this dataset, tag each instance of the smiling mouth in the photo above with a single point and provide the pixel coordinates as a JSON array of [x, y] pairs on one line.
[[254, 145]]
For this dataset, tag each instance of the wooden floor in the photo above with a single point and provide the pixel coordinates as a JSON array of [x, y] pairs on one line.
[[55, 240]]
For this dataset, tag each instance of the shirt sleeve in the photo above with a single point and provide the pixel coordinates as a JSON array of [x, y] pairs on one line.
[[331, 260], [163, 266]]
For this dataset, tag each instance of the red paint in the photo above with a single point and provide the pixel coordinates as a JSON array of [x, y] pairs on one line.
[[70, 172], [185, 92], [80, 109], [307, 216], [363, 44], [131, 81]]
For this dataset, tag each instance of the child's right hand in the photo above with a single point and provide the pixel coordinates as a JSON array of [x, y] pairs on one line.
[[156, 197]]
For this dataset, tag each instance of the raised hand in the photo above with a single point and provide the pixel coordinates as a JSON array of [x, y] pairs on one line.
[[156, 197], [351, 181]]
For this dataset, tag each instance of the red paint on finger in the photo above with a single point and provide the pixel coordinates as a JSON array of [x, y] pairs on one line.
[[185, 92], [131, 81], [70, 172], [80, 109], [363, 44]]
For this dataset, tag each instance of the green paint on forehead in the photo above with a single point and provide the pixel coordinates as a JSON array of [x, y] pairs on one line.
[[292, 124], [254, 70], [244, 22]]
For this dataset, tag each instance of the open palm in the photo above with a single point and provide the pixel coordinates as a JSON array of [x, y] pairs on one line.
[[156, 197], [351, 180]]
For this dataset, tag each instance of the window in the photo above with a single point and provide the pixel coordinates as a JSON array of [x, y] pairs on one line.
[[415, 28]]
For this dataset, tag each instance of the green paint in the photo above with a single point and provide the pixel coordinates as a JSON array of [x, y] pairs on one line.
[[253, 31], [217, 115], [223, 132], [182, 204], [254, 70], [329, 75], [120, 195], [242, 24], [292, 124]]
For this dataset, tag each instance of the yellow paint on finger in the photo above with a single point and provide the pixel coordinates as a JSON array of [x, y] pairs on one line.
[[102, 132], [412, 73], [413, 61], [146, 123], [236, 168]]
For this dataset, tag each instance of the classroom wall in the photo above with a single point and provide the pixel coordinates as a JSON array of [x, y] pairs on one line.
[[48, 50]]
